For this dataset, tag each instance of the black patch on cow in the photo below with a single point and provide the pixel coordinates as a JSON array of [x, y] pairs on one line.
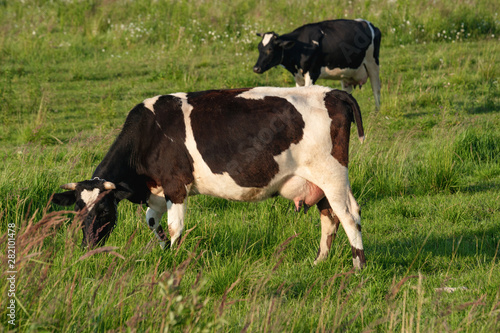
[[122, 164], [162, 235], [341, 114], [359, 253], [151, 222], [376, 41], [351, 38], [150, 149], [67, 198], [168, 161], [240, 136]]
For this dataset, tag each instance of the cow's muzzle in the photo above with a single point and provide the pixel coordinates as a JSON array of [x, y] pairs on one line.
[[257, 70]]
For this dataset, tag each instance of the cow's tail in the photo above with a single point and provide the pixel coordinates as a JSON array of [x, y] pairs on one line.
[[377, 38], [356, 112], [336, 98]]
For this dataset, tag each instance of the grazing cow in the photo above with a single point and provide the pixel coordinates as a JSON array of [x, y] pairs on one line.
[[240, 144], [346, 50]]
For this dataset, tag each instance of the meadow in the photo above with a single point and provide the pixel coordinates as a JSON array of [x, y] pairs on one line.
[[427, 177]]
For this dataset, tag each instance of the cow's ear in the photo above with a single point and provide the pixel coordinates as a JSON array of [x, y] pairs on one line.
[[259, 34], [122, 192], [121, 195], [67, 198], [286, 44]]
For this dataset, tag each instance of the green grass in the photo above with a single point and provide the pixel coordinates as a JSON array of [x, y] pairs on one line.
[[427, 177]]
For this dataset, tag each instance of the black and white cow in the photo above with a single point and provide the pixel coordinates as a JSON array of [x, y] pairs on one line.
[[345, 50], [240, 144]]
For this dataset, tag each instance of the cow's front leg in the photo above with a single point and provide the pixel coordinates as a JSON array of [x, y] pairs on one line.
[[308, 81], [175, 220], [299, 79], [349, 215], [329, 226], [153, 219], [311, 77]]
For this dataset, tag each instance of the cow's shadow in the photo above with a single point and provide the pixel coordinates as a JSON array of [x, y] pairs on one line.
[[422, 250], [434, 251]]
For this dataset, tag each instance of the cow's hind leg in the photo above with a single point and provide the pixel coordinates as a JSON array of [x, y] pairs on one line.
[[329, 226], [153, 219], [337, 191], [348, 213], [374, 74]]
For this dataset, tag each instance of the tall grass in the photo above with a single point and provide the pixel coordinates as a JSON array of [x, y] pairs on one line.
[[66, 289], [427, 177]]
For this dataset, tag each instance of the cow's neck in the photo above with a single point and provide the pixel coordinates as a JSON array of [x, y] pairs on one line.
[[118, 167], [290, 63]]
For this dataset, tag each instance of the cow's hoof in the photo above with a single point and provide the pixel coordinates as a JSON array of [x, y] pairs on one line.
[[165, 245], [358, 258]]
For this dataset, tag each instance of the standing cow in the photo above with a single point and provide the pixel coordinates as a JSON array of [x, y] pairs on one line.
[[240, 144], [345, 50]]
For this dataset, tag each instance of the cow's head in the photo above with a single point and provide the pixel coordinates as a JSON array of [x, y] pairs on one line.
[[96, 201], [271, 51]]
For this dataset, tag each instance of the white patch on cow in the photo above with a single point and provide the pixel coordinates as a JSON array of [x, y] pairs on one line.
[[303, 97], [307, 80], [89, 197], [181, 95], [150, 102], [156, 216], [369, 26], [328, 231], [371, 30], [266, 39], [348, 74], [176, 214], [158, 205], [299, 79], [292, 186], [157, 200], [315, 42], [354, 235], [349, 77]]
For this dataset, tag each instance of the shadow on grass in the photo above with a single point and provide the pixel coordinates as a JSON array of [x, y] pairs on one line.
[[433, 252], [487, 107], [481, 187]]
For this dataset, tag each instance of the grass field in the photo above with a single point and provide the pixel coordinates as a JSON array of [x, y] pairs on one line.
[[427, 177]]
